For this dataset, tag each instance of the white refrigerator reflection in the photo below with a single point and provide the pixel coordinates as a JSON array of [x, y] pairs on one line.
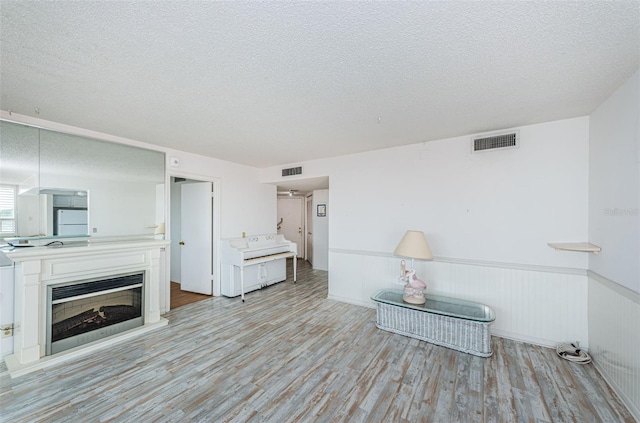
[[72, 222]]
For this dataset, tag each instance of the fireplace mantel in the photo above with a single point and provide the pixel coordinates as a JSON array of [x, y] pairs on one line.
[[38, 267]]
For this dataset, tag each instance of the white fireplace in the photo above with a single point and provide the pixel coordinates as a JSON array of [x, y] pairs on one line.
[[40, 271]]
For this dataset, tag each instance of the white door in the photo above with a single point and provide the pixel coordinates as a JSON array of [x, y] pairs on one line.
[[291, 210], [309, 221], [196, 250]]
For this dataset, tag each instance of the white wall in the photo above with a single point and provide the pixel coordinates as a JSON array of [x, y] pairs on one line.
[[502, 206], [493, 211], [614, 186], [320, 230], [614, 225], [246, 204]]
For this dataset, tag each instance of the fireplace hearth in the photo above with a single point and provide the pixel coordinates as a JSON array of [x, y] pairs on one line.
[[88, 310]]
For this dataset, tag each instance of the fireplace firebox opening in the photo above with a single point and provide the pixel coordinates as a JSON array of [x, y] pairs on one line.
[[85, 311]]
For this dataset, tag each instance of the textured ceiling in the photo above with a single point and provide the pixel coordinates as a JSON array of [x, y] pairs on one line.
[[270, 83]]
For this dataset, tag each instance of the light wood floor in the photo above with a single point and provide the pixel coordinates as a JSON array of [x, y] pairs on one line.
[[289, 354], [180, 297]]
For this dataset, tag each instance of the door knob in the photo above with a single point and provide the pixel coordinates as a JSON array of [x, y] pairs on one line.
[[181, 242]]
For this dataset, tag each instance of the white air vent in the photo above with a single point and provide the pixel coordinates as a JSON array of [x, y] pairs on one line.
[[292, 171], [496, 141]]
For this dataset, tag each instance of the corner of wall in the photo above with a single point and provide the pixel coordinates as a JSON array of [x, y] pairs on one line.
[[614, 224], [614, 337]]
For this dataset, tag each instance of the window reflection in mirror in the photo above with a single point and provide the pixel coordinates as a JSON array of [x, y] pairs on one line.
[[68, 185]]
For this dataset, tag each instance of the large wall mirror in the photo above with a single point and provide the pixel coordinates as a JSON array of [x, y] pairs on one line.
[[56, 185]]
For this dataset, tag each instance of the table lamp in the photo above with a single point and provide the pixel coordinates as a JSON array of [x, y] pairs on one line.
[[414, 246]]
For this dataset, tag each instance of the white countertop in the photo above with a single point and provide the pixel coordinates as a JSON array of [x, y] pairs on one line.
[[80, 247]]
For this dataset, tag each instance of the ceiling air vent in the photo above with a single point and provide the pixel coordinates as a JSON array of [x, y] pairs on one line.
[[494, 142], [292, 171]]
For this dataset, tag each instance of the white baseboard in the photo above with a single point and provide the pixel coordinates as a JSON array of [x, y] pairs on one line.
[[368, 304], [633, 409], [520, 338]]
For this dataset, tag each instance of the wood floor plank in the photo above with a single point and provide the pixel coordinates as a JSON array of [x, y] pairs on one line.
[[507, 394], [180, 297], [533, 394], [490, 411], [289, 354]]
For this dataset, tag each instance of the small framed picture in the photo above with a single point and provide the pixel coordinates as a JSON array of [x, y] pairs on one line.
[[322, 210]]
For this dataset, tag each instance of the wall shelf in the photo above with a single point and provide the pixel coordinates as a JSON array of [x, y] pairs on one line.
[[575, 246]]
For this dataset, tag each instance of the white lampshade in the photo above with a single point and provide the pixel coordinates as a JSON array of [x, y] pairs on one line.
[[414, 245]]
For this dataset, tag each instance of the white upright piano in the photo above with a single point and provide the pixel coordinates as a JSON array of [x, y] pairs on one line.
[[253, 262]]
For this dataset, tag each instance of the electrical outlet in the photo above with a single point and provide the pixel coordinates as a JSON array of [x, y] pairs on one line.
[[6, 331]]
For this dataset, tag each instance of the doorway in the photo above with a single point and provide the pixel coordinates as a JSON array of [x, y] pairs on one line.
[[309, 229], [314, 208], [193, 232], [290, 220]]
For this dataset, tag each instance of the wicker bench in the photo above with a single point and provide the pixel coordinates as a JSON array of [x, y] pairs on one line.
[[449, 322]]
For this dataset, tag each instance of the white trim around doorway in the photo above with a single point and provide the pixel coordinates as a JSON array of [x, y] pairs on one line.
[[216, 229]]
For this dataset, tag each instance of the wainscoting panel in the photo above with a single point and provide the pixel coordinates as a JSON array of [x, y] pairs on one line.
[[614, 333], [539, 306]]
